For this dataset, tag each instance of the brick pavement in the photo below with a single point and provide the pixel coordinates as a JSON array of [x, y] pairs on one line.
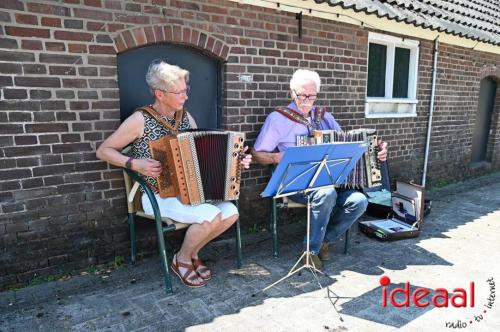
[[459, 244]]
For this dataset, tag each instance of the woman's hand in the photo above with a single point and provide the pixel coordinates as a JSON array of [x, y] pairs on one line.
[[246, 159], [382, 153], [147, 167]]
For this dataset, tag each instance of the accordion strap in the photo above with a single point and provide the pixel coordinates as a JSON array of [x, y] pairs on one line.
[[299, 118], [154, 113]]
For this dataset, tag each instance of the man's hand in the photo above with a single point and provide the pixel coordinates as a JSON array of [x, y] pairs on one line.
[[147, 167], [246, 159], [266, 158], [278, 156], [382, 153]]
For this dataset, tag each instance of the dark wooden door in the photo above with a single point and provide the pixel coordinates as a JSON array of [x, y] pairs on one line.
[[204, 98], [487, 91]]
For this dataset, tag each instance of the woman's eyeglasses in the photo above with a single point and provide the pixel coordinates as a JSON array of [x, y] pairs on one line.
[[179, 93], [305, 97]]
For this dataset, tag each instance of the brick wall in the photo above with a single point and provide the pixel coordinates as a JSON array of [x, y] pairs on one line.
[[61, 209]]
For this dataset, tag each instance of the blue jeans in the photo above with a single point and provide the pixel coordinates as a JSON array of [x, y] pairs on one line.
[[349, 206]]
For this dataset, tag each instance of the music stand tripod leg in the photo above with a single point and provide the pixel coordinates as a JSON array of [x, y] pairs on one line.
[[306, 254]]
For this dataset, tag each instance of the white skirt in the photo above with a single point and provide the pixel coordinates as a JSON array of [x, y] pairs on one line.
[[172, 208]]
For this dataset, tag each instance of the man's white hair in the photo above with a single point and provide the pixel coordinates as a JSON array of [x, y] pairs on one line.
[[162, 76], [303, 76]]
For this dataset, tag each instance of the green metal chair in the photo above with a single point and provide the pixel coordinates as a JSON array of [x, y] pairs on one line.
[[163, 225], [285, 203]]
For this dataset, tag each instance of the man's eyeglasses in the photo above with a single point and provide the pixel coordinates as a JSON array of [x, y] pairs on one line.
[[178, 93], [305, 97]]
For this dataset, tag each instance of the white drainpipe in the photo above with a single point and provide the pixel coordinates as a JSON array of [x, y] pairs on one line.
[[431, 110]]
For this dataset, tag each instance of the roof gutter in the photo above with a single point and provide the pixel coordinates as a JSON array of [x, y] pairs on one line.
[[431, 109]]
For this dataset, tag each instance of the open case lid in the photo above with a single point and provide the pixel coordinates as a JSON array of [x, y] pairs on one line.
[[413, 192]]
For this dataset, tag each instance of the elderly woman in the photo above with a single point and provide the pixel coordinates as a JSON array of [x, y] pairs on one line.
[[280, 131], [169, 86]]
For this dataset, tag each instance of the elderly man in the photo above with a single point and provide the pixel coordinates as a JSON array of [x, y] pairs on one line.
[[279, 132]]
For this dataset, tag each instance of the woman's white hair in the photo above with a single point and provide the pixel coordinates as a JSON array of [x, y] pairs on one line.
[[162, 76], [304, 76]]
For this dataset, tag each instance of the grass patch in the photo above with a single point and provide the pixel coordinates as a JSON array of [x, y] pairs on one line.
[[42, 279], [118, 261]]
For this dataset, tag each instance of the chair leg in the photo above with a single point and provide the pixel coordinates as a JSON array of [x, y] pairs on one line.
[[347, 240], [164, 261], [274, 228], [131, 227], [239, 255]]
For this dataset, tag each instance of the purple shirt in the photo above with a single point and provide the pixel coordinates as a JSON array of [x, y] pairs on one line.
[[280, 132]]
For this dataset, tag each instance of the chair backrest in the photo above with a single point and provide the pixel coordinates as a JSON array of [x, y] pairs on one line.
[[134, 203]]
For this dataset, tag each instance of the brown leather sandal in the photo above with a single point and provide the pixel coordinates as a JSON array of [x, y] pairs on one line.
[[201, 269], [188, 278]]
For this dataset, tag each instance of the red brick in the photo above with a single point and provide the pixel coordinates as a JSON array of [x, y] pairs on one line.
[[79, 105], [96, 26], [38, 81], [113, 4], [159, 35], [51, 22], [129, 39], [26, 19], [102, 83], [27, 32], [71, 35], [134, 19], [168, 33], [60, 58], [185, 4], [93, 3], [93, 14], [77, 48], [113, 27], [31, 44], [203, 40], [120, 45], [8, 43], [210, 44], [140, 37], [224, 52], [62, 70], [50, 46], [12, 4], [74, 83], [218, 48], [186, 34], [150, 36], [48, 9], [177, 33]]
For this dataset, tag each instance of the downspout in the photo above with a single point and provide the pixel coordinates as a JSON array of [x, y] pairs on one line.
[[431, 109]]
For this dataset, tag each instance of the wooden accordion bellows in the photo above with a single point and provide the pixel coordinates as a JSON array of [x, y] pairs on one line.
[[199, 166], [366, 173]]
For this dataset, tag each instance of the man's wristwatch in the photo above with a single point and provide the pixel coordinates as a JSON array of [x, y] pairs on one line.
[[128, 163]]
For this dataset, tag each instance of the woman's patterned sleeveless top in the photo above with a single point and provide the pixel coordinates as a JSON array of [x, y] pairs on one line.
[[154, 130]]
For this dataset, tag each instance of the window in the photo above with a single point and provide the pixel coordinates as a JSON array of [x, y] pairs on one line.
[[392, 77]]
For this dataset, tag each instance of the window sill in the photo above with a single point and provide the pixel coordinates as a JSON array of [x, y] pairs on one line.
[[392, 100], [390, 108]]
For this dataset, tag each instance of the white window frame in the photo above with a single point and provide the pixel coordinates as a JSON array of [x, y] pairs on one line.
[[391, 43]]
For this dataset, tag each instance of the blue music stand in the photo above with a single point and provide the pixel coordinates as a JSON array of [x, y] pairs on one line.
[[308, 168]]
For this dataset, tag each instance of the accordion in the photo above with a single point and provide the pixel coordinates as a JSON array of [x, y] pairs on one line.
[[366, 173], [199, 166]]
